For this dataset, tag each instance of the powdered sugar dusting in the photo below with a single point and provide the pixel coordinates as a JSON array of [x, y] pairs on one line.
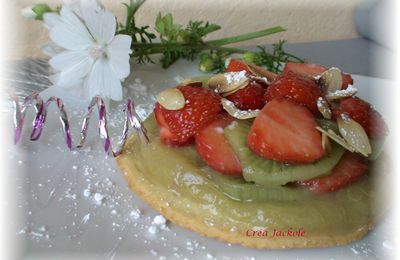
[[235, 77], [342, 93]]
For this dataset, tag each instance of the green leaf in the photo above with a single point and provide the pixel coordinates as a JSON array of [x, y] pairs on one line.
[[160, 28]]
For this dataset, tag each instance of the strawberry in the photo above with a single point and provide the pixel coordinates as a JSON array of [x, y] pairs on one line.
[[313, 70], [364, 114], [215, 150], [302, 90], [285, 131], [180, 126], [250, 97], [167, 137], [236, 66], [349, 169]]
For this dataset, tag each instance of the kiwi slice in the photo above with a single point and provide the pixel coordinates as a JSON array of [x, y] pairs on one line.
[[272, 173], [240, 190]]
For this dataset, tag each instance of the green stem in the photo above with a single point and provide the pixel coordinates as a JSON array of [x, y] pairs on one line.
[[162, 46], [247, 36], [219, 42]]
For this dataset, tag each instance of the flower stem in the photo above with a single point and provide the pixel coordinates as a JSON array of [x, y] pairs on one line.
[[246, 37]]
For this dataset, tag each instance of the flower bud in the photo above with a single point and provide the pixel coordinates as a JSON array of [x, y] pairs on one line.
[[207, 65], [250, 57], [36, 11], [27, 12], [204, 56]]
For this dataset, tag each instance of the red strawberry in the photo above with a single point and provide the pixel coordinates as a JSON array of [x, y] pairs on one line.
[[364, 114], [215, 150], [285, 131], [302, 90], [250, 97], [236, 66], [201, 108], [349, 169], [313, 70], [167, 137]]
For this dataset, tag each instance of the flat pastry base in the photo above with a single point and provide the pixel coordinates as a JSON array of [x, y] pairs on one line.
[[141, 188]]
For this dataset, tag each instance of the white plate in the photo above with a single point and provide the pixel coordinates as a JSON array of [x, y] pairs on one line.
[[57, 191]]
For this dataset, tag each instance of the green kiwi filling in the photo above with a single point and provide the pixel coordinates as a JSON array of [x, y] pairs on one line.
[[271, 173]]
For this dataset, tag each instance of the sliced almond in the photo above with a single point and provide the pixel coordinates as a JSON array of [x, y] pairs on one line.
[[342, 93], [354, 134], [260, 71], [171, 99], [228, 82], [326, 144], [323, 108], [338, 139], [190, 82], [259, 79], [331, 80], [237, 113]]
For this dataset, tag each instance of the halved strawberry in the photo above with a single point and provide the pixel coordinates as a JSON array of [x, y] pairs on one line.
[[250, 97], [349, 169], [364, 114], [215, 150], [201, 108], [313, 70], [236, 66], [300, 89], [285, 131]]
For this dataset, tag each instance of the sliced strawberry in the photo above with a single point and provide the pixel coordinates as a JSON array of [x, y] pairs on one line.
[[313, 70], [250, 97], [302, 90], [364, 114], [236, 66], [285, 131], [201, 108], [167, 137], [349, 169], [215, 150]]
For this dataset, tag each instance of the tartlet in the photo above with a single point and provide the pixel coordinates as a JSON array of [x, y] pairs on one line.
[[187, 189]]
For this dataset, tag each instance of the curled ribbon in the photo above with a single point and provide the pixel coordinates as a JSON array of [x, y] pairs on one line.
[[131, 119]]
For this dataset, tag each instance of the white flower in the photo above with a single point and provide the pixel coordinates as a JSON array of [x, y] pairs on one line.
[[93, 55], [27, 12]]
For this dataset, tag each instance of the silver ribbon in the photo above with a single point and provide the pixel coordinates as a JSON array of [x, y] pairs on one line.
[[131, 119]]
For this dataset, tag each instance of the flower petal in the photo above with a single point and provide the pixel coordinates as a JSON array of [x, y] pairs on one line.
[[103, 81], [51, 20], [70, 33], [118, 54], [121, 43], [74, 65], [101, 23], [67, 59], [51, 49]]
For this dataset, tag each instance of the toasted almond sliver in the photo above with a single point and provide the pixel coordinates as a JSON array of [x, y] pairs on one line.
[[338, 139], [354, 134], [326, 144], [171, 99], [331, 80], [228, 82], [324, 108], [342, 93], [237, 113], [260, 71]]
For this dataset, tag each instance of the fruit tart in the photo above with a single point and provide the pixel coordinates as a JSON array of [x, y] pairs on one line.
[[264, 160]]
